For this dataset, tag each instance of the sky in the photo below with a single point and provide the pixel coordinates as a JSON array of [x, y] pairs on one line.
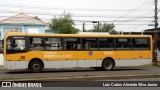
[[127, 15]]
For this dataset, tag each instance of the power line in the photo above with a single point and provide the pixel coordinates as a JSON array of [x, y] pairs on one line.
[[116, 24], [75, 15], [91, 20], [131, 11], [83, 15], [73, 9]]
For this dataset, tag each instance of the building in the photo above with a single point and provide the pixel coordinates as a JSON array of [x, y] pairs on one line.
[[21, 23], [151, 31]]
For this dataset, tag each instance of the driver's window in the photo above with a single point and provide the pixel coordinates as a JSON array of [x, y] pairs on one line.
[[18, 44]]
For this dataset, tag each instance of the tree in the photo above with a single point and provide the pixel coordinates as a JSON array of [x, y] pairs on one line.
[[104, 28], [64, 24]]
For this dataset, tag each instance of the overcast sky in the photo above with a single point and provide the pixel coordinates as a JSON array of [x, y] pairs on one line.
[[127, 15]]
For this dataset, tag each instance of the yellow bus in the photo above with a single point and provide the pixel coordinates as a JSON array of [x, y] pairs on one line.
[[43, 51]]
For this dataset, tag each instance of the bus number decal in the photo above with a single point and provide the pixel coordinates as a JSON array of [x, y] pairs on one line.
[[108, 53]]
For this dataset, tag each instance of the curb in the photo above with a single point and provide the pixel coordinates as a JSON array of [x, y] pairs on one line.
[[84, 78]]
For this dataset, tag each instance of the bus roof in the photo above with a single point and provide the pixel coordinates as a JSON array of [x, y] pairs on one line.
[[93, 33], [73, 35]]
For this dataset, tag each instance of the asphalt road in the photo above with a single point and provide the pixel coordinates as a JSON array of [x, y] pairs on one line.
[[77, 72], [85, 72]]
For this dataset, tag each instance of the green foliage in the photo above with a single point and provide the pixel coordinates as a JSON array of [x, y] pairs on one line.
[[64, 24], [158, 64], [104, 28]]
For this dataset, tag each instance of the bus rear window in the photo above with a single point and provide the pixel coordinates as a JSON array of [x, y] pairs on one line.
[[140, 43]]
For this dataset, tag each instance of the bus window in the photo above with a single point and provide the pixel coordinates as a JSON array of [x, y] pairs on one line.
[[36, 43], [53, 43], [123, 43], [106, 43], [16, 43], [140, 43], [89, 44], [72, 43]]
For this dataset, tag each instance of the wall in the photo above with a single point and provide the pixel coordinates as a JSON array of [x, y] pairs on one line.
[[1, 59], [24, 28], [49, 31]]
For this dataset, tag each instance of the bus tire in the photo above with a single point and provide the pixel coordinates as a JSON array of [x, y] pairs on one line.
[[108, 64], [35, 66]]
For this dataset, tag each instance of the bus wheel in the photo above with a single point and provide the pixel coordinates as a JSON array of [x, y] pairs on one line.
[[36, 66], [108, 65]]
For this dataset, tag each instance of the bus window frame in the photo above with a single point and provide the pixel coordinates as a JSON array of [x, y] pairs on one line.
[[12, 51], [148, 43], [54, 37], [28, 40], [97, 40], [130, 48], [63, 43], [114, 43]]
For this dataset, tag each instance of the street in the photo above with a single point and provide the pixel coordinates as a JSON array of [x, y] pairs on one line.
[[24, 74], [84, 72]]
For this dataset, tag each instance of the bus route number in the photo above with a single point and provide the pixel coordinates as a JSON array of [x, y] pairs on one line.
[[108, 53]]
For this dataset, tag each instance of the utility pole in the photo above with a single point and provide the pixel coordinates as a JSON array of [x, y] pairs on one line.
[[155, 33], [98, 25], [84, 27]]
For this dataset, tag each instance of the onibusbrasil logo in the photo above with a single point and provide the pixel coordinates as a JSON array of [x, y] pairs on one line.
[[20, 84]]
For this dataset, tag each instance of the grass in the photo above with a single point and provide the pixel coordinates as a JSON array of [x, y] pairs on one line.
[[158, 64]]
